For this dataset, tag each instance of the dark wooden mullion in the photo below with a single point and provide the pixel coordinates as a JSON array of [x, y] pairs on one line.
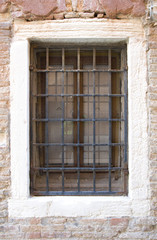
[[32, 106], [75, 117], [81, 117], [124, 158], [126, 133], [75, 111]]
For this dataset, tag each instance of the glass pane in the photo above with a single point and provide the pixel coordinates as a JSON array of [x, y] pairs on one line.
[[87, 82], [101, 132], [55, 155], [101, 59], [55, 58], [87, 107], [88, 156], [39, 83], [70, 105], [39, 156], [117, 81], [101, 180], [70, 59], [39, 180], [88, 132], [39, 108], [69, 156], [55, 109], [55, 83], [117, 107], [86, 181], [68, 132], [116, 59], [55, 132], [55, 181], [70, 83], [101, 107], [86, 59], [117, 181], [70, 181], [39, 137], [102, 82], [101, 156], [117, 156], [40, 58]]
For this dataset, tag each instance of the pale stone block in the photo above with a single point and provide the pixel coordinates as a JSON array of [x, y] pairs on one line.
[[2, 138]]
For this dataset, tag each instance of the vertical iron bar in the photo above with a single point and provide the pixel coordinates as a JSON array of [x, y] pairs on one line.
[[63, 66], [98, 148], [46, 124], [125, 171], [126, 115], [110, 117], [88, 117], [78, 117], [32, 125], [94, 66], [56, 86]]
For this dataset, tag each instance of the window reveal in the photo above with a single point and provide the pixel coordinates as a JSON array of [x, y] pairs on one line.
[[78, 121]]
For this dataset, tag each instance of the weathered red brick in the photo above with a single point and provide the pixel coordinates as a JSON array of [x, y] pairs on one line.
[[92, 6], [40, 8], [47, 235], [34, 235], [58, 16], [35, 221], [114, 7], [139, 8], [118, 221]]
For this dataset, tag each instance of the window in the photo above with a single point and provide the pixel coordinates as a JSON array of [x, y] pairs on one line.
[[21, 204], [78, 120]]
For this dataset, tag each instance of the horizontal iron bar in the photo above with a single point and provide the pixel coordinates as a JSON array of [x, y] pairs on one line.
[[78, 168], [77, 70], [81, 193], [78, 144], [71, 45], [78, 95], [77, 120]]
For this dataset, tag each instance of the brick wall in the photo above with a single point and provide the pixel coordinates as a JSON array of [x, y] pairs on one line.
[[75, 228], [79, 228]]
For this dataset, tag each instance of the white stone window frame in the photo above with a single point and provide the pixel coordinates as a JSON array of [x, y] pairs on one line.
[[21, 204]]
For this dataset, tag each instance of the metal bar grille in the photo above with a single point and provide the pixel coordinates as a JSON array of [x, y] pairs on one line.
[[78, 121]]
